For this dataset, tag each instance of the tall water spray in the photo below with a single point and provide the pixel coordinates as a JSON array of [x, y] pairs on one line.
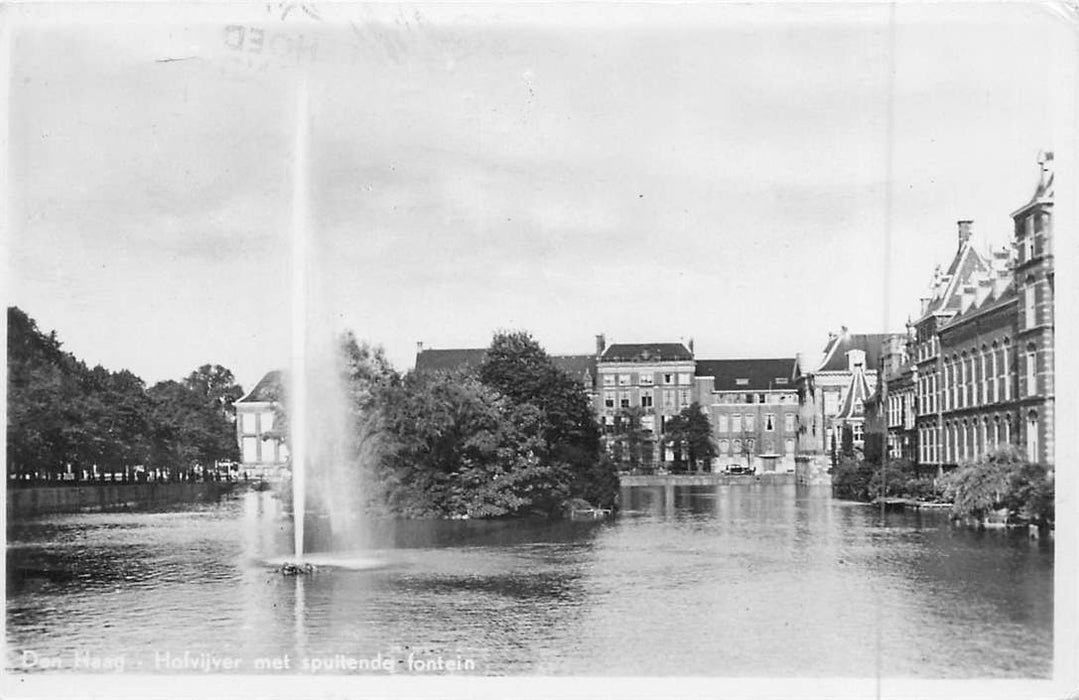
[[298, 411]]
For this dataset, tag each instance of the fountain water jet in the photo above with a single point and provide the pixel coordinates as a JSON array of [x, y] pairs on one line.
[[326, 438]]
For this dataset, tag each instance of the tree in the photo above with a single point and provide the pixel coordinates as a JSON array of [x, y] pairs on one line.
[[216, 386], [517, 367], [1003, 479], [690, 434], [456, 447], [630, 441]]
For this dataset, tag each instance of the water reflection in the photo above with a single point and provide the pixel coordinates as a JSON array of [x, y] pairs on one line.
[[733, 580]]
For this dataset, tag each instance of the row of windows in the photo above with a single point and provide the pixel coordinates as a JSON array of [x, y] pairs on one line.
[[977, 378], [738, 447], [737, 422], [645, 398], [963, 440], [648, 379], [901, 409], [728, 397]]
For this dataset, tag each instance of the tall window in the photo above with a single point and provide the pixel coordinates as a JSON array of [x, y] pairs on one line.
[[1032, 371], [994, 384], [1032, 437], [608, 399], [724, 447], [788, 446], [749, 422], [788, 422], [769, 421], [1030, 309], [983, 356], [723, 423], [683, 397], [685, 378], [1005, 373], [736, 423], [646, 398], [668, 398], [623, 399], [960, 387]]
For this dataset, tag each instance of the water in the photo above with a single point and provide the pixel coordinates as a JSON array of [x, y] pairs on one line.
[[743, 580]]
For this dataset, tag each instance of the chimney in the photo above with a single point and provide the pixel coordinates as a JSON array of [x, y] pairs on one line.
[[419, 347], [691, 346], [925, 304], [601, 344], [964, 230]]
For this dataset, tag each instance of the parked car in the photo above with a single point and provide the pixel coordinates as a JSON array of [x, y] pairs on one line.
[[740, 469]]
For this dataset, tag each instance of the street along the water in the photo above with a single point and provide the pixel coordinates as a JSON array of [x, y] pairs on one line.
[[732, 580]]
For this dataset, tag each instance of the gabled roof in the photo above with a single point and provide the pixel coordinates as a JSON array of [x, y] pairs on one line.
[[756, 375], [646, 352], [449, 360], [948, 298], [993, 301], [835, 352], [856, 395], [268, 388]]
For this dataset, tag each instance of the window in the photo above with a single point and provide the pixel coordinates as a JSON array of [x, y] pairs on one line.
[[623, 399], [831, 403], [608, 380], [250, 447], [268, 454], [668, 399], [788, 422], [769, 447], [668, 379], [685, 378], [1030, 310], [247, 422], [781, 381], [624, 380], [723, 424], [749, 422], [724, 447], [683, 397], [741, 381], [266, 422], [769, 421], [857, 432], [608, 399], [1032, 437], [1032, 372], [789, 446], [1028, 238], [736, 423], [646, 398], [647, 379], [737, 445]]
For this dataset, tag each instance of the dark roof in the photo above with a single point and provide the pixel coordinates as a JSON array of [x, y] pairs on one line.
[[646, 352], [268, 388], [835, 352], [992, 301], [577, 366], [580, 367], [776, 373], [449, 360]]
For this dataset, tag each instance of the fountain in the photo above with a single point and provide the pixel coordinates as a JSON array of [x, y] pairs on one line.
[[322, 431]]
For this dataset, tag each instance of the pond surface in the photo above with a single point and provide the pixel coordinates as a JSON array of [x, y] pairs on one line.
[[737, 581]]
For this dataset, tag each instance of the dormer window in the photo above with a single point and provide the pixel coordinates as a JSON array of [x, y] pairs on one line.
[[741, 381]]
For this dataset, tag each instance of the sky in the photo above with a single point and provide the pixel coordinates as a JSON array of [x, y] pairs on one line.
[[749, 176]]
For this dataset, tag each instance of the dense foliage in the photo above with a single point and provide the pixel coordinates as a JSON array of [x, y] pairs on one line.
[[860, 480], [690, 435], [1003, 480], [65, 416], [517, 436]]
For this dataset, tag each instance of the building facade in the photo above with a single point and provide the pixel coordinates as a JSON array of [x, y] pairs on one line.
[[984, 348], [261, 452]]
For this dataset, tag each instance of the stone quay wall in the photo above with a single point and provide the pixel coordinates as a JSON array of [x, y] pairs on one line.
[[28, 502]]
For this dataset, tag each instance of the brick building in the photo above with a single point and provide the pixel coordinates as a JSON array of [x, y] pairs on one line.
[[982, 348]]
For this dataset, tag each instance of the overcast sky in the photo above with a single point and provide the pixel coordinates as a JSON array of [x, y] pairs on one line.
[[649, 172]]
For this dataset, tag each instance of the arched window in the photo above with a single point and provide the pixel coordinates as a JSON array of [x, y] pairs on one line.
[[1005, 370], [996, 432], [984, 357], [985, 436]]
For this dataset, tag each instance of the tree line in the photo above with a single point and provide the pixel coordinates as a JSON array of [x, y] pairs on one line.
[[69, 421]]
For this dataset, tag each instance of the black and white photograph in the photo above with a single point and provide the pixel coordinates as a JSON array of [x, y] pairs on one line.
[[584, 349]]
